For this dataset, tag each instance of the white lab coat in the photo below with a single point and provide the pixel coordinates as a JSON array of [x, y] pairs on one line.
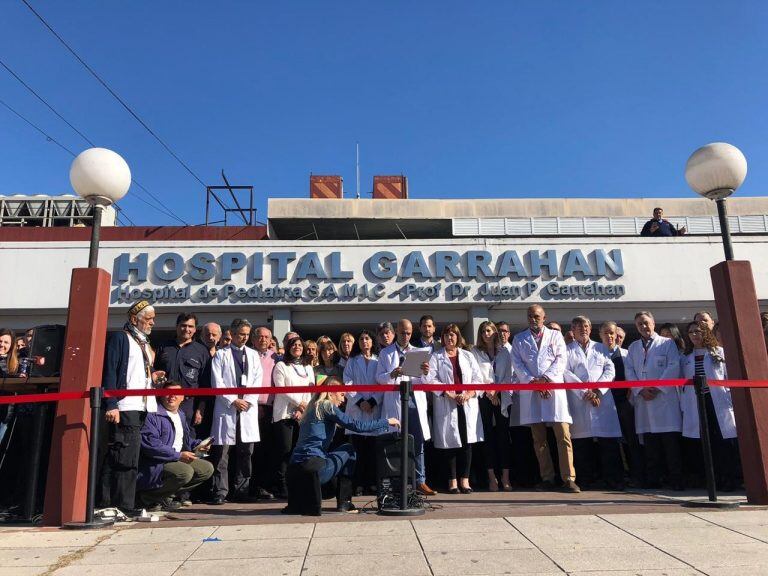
[[592, 365], [496, 371], [721, 397], [289, 375], [224, 425], [358, 371], [445, 417], [530, 362], [389, 359], [662, 361]]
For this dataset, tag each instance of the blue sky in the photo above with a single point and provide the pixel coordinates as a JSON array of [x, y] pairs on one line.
[[469, 100]]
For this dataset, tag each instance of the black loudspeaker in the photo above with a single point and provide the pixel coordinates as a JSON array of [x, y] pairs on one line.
[[388, 447], [47, 347]]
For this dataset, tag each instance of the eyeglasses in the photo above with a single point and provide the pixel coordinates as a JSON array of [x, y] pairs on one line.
[[503, 330]]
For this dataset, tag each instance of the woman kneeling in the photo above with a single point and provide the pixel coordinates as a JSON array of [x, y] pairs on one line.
[[312, 464]]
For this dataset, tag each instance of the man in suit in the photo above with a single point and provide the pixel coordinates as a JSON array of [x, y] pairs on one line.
[[389, 372], [609, 336]]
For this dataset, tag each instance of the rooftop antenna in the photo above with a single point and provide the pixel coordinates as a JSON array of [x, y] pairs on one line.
[[357, 168]]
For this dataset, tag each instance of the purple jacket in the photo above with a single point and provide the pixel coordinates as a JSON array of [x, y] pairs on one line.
[[157, 436]]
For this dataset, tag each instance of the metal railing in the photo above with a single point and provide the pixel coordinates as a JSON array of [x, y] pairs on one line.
[[600, 226]]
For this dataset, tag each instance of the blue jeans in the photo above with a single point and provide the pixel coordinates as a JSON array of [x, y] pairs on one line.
[[414, 429], [340, 461]]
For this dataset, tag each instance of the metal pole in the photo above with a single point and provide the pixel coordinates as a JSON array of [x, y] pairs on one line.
[[405, 460], [700, 385], [405, 392], [725, 229], [96, 395], [93, 255], [93, 453], [33, 468]]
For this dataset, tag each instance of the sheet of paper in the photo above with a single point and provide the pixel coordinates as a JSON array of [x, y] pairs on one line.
[[413, 361]]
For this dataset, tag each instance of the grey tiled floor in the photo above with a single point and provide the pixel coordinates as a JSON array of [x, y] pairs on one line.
[[658, 544]]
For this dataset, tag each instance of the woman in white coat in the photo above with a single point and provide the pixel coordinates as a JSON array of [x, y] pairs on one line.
[[456, 414], [360, 369], [706, 358], [495, 366], [595, 431], [288, 409]]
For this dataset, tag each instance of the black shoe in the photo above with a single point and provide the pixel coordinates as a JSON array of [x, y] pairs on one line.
[[359, 491], [263, 494], [217, 500], [544, 486], [281, 495], [347, 506], [465, 490], [453, 491], [131, 513], [244, 499]]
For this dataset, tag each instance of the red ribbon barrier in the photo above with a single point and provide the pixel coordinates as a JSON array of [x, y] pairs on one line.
[[57, 396]]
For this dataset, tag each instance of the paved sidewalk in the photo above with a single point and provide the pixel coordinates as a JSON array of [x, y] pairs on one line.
[[717, 543]]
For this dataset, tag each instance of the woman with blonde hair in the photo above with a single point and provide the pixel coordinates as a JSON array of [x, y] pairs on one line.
[[311, 350], [9, 359], [456, 417], [312, 454], [9, 365], [706, 358], [346, 344], [495, 367]]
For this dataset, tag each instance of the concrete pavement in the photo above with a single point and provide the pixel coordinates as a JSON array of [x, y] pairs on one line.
[[716, 543]]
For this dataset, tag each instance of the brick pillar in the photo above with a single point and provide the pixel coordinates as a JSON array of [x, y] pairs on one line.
[[81, 367], [739, 316]]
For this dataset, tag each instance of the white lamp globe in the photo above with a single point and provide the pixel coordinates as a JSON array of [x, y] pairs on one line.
[[100, 176], [716, 170]]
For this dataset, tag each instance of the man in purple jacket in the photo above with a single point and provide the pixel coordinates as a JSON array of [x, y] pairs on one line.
[[167, 463]]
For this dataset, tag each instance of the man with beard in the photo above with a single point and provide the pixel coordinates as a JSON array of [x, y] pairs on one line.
[[128, 365]]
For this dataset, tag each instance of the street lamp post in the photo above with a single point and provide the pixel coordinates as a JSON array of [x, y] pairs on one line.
[[101, 177], [715, 171]]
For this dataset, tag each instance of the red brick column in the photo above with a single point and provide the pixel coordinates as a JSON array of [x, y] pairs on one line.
[[81, 367], [745, 355]]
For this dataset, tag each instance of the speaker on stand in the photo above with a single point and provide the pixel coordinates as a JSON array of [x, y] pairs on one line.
[[46, 350]]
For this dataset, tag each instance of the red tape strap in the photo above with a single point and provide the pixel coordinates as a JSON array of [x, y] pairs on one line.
[[57, 396]]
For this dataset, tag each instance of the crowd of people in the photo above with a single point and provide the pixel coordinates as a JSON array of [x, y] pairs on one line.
[[165, 453]]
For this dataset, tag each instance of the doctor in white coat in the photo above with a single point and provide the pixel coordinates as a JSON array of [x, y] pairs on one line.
[[595, 420], [495, 365], [707, 357], [456, 417], [539, 357], [235, 416], [389, 372], [361, 369], [657, 409]]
